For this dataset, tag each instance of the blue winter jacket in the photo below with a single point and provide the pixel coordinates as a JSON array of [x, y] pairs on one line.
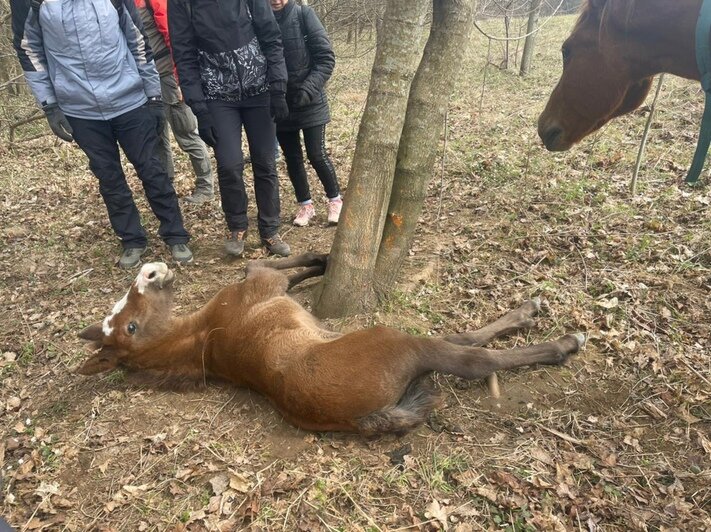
[[88, 56]]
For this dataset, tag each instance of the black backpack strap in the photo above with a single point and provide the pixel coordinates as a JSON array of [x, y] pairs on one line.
[[35, 5], [118, 5], [301, 21]]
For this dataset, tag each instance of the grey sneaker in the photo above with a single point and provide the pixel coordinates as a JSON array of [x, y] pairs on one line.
[[276, 246], [199, 197], [234, 245], [131, 257], [181, 253]]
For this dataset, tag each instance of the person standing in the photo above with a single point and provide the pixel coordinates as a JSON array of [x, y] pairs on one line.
[[154, 15], [232, 74], [89, 66], [309, 61]]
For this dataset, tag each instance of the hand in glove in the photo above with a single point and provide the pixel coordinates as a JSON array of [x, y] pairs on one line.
[[206, 125], [155, 107], [300, 99], [58, 122], [277, 106]]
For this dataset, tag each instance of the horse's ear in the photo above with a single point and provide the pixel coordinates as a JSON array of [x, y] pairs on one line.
[[103, 360], [92, 333]]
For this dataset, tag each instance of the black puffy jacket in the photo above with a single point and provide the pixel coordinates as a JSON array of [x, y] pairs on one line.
[[309, 61], [225, 49]]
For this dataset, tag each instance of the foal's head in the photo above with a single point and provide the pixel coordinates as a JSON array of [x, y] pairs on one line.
[[600, 81], [134, 324]]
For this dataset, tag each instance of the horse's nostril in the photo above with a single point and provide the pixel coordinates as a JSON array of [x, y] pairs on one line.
[[152, 275], [550, 136]]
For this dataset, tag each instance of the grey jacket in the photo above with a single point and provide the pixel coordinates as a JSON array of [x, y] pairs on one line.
[[88, 56]]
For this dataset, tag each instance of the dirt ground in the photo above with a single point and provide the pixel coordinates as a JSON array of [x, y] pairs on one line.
[[619, 439]]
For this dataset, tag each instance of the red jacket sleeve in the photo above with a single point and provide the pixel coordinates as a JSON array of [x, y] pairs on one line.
[[160, 15]]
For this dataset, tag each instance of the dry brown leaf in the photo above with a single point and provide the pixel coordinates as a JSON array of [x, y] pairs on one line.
[[219, 483], [435, 511], [239, 482]]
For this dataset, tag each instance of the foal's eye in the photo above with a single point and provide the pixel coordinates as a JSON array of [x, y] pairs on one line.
[[131, 328]]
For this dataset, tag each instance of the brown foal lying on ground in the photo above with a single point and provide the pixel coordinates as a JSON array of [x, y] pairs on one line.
[[252, 334]]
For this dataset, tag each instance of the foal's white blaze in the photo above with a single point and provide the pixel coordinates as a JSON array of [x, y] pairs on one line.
[[118, 307], [149, 273]]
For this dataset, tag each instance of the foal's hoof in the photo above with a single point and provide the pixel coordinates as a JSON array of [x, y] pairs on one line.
[[567, 346], [581, 339]]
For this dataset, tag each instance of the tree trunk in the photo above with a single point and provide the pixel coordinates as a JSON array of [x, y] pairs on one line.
[[534, 12], [352, 261], [426, 108]]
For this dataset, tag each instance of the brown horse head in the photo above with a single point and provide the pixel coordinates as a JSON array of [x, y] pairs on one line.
[[133, 324], [600, 81]]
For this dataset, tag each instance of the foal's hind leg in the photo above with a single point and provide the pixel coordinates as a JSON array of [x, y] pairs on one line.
[[521, 318], [479, 362]]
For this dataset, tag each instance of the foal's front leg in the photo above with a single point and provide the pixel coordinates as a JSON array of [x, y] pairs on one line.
[[521, 318], [314, 264]]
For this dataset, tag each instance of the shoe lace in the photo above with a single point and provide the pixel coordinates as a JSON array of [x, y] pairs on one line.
[[237, 235], [334, 206], [180, 247], [304, 211]]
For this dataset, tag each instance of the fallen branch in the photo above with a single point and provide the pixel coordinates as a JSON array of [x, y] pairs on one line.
[[36, 115]]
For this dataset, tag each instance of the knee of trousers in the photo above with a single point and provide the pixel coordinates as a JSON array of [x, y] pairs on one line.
[[230, 172]]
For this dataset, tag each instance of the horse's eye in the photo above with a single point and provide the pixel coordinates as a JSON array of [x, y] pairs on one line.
[[131, 328], [566, 53]]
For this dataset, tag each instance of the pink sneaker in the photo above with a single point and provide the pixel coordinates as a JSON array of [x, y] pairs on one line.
[[304, 215], [334, 210]]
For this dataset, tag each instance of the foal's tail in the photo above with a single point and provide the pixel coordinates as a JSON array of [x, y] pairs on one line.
[[412, 410]]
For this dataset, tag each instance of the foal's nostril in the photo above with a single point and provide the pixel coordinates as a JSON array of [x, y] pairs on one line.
[[152, 275]]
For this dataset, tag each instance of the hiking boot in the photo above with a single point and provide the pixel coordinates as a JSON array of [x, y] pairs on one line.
[[276, 246], [199, 197], [334, 210], [181, 253], [304, 214], [131, 257], [234, 245]]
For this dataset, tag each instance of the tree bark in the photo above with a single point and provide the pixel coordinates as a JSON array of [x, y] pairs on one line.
[[352, 260], [533, 14], [427, 105]]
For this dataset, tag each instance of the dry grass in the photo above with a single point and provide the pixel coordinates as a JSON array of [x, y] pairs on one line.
[[617, 440]]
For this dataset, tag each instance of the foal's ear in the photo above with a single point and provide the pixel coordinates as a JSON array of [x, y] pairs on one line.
[[92, 333], [103, 360]]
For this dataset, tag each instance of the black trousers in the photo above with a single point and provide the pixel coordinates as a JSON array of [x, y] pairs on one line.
[[315, 141], [229, 118], [136, 133]]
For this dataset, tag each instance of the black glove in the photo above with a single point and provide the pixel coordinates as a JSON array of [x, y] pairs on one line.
[[206, 125], [277, 106], [155, 108], [300, 99], [58, 123]]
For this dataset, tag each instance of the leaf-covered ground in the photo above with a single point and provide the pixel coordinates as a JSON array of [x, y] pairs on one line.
[[619, 439]]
